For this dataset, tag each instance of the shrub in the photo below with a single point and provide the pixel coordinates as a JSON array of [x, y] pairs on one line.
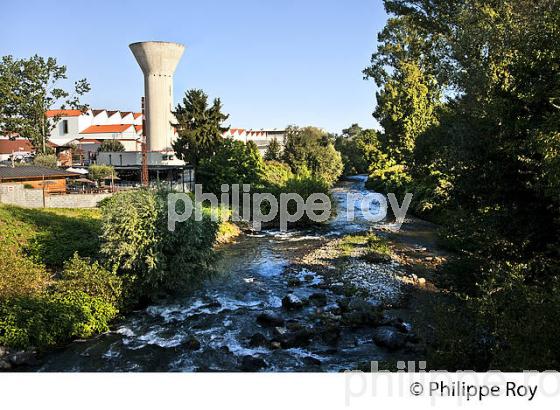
[[152, 259], [303, 186], [20, 275], [52, 318], [45, 160], [81, 274], [111, 146], [276, 173]]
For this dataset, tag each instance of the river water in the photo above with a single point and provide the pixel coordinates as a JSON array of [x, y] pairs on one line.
[[222, 314]]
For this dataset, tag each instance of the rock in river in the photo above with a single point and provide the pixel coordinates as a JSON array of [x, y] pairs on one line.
[[359, 312], [291, 302], [389, 337], [191, 343], [252, 364], [318, 299], [270, 319], [258, 339]]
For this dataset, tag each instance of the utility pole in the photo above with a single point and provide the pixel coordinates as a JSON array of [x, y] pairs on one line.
[[144, 173]]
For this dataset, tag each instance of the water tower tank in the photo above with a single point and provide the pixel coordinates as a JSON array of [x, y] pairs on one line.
[[158, 60]]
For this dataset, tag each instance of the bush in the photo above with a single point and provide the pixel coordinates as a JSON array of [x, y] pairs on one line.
[[276, 173], [52, 318], [111, 146], [152, 259], [45, 160], [303, 186], [81, 274], [19, 275]]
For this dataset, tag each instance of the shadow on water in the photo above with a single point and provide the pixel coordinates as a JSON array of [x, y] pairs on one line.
[[214, 328]]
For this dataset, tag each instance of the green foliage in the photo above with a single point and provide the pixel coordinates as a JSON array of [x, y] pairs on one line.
[[199, 127], [310, 149], [273, 151], [152, 259], [100, 172], [49, 236], [28, 89], [276, 174], [233, 163], [360, 150], [45, 160], [52, 318], [484, 161], [111, 146], [85, 275], [38, 308], [304, 186]]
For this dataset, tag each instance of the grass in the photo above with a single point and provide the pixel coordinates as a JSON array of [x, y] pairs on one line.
[[36, 242], [370, 247], [50, 236]]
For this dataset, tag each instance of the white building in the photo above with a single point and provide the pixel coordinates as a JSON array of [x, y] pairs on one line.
[[89, 129], [262, 137]]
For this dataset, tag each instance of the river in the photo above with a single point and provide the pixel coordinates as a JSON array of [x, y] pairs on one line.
[[221, 316]]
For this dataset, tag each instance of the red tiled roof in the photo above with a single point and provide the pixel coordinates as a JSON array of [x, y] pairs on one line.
[[63, 113], [137, 114], [8, 146], [97, 112], [138, 128], [109, 113], [103, 129]]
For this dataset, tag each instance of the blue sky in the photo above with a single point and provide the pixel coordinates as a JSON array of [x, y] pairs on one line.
[[272, 63]]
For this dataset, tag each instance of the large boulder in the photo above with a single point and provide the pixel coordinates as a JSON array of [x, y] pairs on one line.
[[358, 312], [5, 365], [389, 337], [299, 338], [252, 364], [23, 358], [318, 299], [270, 319], [292, 302], [257, 340], [191, 343]]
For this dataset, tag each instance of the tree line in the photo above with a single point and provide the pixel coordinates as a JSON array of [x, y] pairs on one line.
[[469, 105]]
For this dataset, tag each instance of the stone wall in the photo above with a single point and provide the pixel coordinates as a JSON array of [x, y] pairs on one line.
[[16, 194]]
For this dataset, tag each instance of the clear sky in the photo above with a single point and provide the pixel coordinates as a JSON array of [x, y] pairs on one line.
[[272, 63]]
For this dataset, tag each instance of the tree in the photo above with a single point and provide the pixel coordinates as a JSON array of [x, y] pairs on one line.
[[111, 146], [234, 162], [359, 149], [101, 172], [28, 89], [311, 149], [199, 127], [469, 104], [273, 151]]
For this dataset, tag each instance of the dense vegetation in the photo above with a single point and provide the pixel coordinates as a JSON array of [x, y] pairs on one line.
[[68, 273], [469, 104], [311, 150]]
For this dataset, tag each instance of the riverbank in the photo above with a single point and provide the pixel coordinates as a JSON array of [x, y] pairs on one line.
[[43, 304], [328, 298], [396, 268]]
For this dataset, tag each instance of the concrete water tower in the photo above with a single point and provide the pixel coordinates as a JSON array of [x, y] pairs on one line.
[[158, 60]]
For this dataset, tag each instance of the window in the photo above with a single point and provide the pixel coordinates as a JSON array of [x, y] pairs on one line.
[[64, 127]]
